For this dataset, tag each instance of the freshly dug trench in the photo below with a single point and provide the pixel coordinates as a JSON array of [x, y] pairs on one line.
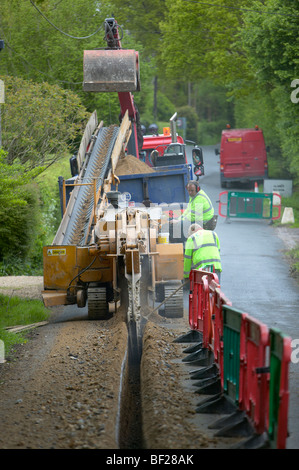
[[168, 412]]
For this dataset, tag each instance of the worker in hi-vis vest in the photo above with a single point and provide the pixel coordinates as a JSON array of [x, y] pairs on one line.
[[199, 210], [200, 207], [202, 251]]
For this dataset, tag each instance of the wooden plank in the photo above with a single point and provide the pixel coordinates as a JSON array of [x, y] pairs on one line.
[[122, 139], [17, 329], [89, 129]]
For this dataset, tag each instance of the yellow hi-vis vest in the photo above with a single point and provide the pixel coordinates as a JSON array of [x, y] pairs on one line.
[[202, 250], [199, 208]]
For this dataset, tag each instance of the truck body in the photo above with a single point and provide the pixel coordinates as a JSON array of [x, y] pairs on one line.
[[165, 185], [243, 156]]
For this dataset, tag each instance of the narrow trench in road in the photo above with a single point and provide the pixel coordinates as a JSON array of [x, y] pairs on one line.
[[129, 432], [130, 419]]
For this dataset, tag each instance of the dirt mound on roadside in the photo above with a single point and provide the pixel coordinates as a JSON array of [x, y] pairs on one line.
[[131, 165]]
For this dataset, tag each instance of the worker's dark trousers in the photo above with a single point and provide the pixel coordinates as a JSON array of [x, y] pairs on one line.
[[178, 232], [211, 224]]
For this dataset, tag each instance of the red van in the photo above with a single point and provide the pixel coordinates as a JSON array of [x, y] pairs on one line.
[[243, 156]]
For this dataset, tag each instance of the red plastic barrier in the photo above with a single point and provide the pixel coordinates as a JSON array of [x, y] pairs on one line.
[[206, 313], [195, 303], [221, 204], [254, 379], [277, 206], [284, 396], [218, 301], [199, 302], [195, 309]]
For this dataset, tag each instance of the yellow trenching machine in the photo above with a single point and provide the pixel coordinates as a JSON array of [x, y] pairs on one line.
[[101, 242], [105, 251]]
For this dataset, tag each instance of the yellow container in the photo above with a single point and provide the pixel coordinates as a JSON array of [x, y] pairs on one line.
[[163, 237]]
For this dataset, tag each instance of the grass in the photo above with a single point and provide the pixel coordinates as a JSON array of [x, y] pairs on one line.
[[49, 178], [293, 256], [16, 311], [293, 202]]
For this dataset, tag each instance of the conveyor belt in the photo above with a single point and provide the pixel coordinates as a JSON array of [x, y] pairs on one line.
[[75, 224]]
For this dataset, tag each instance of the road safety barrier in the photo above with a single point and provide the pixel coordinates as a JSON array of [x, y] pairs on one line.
[[252, 360], [250, 205], [232, 330], [254, 375], [200, 303], [280, 353]]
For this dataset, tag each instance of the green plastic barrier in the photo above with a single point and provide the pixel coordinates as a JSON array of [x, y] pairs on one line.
[[250, 205], [232, 323]]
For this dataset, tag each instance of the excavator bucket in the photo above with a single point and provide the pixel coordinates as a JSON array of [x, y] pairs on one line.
[[111, 70]]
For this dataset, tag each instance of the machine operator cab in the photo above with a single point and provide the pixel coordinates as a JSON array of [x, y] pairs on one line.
[[163, 149]]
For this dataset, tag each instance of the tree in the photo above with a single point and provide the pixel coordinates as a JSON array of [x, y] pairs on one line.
[[18, 208], [48, 45], [40, 122], [270, 41], [191, 118], [245, 45], [200, 37]]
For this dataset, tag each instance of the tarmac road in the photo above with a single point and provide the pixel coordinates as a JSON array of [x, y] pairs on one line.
[[256, 276]]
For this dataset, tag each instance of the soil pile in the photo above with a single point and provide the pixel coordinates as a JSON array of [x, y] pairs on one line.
[[131, 165], [63, 391]]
